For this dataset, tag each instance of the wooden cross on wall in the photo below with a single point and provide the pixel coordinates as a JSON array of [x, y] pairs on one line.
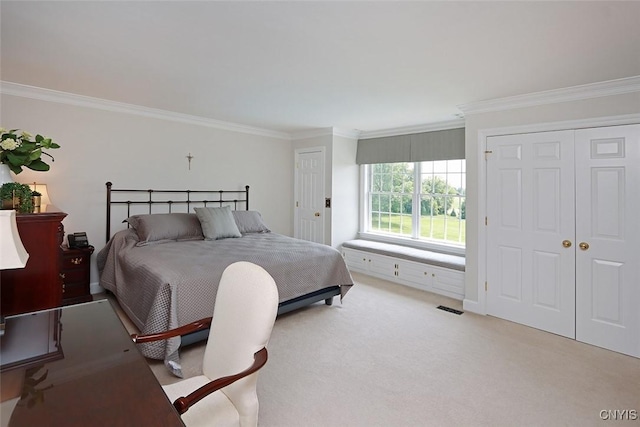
[[189, 157]]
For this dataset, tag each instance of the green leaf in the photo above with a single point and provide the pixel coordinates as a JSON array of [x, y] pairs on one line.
[[35, 155], [17, 159], [47, 143], [38, 165], [39, 138], [26, 147], [15, 168]]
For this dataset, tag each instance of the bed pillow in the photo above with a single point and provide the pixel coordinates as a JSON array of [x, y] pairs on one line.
[[250, 222], [158, 228], [217, 223]]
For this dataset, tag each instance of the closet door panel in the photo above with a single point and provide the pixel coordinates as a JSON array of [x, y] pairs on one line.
[[607, 234], [530, 199]]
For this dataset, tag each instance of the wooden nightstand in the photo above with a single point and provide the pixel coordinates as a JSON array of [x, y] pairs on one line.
[[76, 274]]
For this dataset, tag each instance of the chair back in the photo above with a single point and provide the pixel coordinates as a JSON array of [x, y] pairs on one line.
[[244, 313]]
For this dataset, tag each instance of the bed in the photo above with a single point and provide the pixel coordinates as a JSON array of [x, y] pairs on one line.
[[164, 263]]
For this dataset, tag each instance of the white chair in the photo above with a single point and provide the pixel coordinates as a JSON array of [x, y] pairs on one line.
[[244, 312]]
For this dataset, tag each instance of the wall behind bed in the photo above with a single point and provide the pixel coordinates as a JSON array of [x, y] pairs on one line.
[[134, 151]]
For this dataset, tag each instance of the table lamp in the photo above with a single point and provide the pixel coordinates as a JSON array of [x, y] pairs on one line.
[[12, 251]]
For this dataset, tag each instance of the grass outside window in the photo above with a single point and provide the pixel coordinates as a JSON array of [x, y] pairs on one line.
[[441, 227]]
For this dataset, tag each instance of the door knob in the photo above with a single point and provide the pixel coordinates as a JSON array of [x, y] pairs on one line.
[[566, 243], [584, 246], [317, 214]]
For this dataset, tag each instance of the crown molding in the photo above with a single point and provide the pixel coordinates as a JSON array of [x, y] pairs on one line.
[[574, 93], [592, 122], [427, 127], [55, 96], [346, 133], [332, 131], [311, 133], [49, 95], [357, 134]]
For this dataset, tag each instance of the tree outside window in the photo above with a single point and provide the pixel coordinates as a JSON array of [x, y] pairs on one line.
[[434, 211]]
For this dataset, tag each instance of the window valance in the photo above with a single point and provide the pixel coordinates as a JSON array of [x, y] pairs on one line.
[[418, 147]]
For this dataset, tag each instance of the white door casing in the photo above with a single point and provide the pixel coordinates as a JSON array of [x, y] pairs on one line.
[[309, 195], [607, 220], [530, 213]]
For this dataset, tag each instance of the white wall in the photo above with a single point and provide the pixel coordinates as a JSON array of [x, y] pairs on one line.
[[489, 123], [140, 152], [345, 191]]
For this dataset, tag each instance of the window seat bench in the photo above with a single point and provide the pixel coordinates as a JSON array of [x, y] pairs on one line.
[[424, 269], [452, 262]]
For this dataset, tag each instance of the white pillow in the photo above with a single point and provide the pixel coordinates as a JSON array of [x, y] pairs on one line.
[[217, 223]]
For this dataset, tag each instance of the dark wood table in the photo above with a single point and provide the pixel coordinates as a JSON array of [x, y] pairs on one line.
[[77, 366]]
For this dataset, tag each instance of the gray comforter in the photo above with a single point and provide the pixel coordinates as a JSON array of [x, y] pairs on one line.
[[166, 285]]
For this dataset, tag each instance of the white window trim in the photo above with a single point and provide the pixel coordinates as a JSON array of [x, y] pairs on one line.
[[414, 242]]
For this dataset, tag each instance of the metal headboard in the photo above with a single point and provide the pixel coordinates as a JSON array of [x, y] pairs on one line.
[[185, 198]]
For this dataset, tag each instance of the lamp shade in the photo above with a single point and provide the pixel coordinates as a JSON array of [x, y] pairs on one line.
[[42, 189], [12, 252]]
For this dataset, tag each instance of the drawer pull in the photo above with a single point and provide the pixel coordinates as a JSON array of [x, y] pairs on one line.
[[76, 261], [62, 276]]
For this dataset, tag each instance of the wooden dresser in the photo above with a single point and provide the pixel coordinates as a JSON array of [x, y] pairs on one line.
[[39, 285]]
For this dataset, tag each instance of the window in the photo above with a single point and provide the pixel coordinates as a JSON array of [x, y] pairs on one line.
[[392, 198], [432, 211]]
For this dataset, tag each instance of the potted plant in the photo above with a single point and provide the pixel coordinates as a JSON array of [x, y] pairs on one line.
[[36, 197], [18, 150], [16, 196]]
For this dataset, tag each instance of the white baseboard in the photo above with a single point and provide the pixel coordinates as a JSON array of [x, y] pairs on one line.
[[95, 288], [473, 306]]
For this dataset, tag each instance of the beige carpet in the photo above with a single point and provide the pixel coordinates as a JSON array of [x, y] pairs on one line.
[[388, 357]]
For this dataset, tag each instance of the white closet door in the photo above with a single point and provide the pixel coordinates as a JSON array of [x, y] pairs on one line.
[[607, 220], [530, 199]]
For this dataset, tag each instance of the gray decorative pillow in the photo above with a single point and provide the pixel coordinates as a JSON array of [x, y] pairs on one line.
[[217, 223], [158, 228], [133, 221], [250, 222]]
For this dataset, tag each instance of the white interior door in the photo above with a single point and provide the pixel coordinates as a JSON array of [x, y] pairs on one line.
[[309, 205], [530, 230], [608, 235]]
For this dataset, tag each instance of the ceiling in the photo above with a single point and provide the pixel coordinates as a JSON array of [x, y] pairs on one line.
[[295, 66]]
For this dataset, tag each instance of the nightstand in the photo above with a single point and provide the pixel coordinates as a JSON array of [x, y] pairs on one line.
[[75, 274]]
